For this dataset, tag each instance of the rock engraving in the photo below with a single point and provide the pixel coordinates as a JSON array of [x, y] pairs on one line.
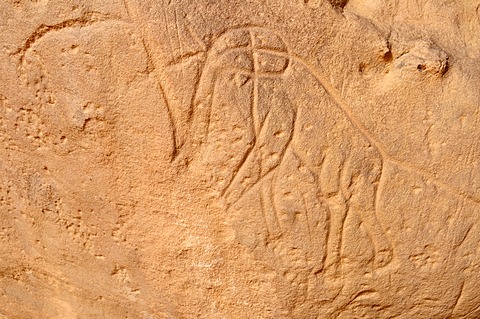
[[299, 169], [248, 159]]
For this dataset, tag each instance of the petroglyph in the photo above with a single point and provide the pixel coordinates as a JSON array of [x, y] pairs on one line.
[[297, 167], [246, 159], [290, 170]]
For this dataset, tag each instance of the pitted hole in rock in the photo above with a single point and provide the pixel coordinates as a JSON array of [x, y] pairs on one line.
[[388, 56]]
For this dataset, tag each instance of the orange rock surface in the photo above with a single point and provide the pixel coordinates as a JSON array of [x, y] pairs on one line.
[[239, 159]]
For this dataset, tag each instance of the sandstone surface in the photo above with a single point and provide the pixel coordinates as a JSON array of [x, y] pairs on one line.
[[239, 159]]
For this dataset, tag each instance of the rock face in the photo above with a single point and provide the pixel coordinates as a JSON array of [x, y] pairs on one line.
[[239, 159]]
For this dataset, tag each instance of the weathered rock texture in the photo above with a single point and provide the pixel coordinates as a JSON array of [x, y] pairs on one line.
[[239, 159]]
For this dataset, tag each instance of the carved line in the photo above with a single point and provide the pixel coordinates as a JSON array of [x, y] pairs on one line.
[[177, 28], [87, 19], [250, 29], [272, 204], [246, 72], [376, 203], [184, 57], [255, 112], [263, 209], [208, 116], [196, 38], [477, 122], [307, 221], [134, 17], [478, 13], [457, 299]]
